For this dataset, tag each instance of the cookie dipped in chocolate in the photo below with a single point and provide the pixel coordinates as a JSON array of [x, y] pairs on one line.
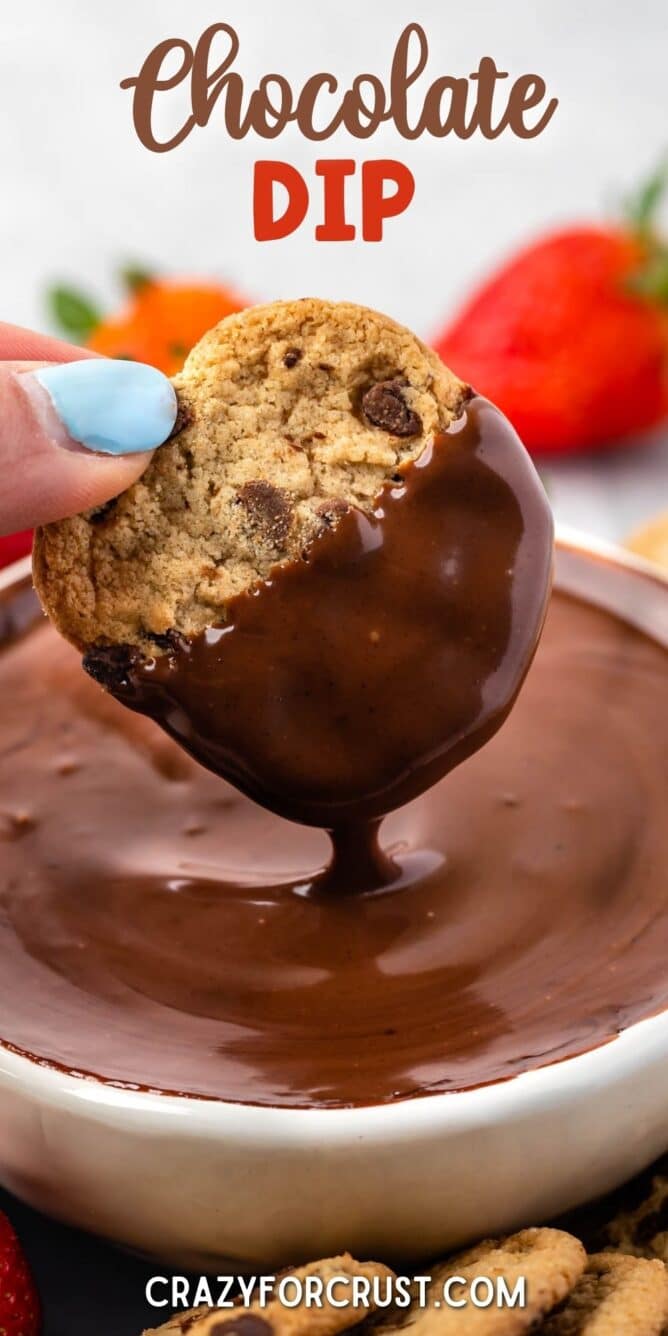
[[355, 678]]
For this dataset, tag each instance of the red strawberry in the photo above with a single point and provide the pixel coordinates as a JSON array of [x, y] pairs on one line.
[[570, 339], [20, 1311], [12, 547]]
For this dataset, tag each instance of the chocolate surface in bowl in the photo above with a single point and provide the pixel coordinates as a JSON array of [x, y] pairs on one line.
[[154, 928]]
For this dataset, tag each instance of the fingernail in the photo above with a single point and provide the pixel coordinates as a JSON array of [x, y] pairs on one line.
[[116, 407]]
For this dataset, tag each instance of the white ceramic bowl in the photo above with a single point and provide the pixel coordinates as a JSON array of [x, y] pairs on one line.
[[208, 1184]]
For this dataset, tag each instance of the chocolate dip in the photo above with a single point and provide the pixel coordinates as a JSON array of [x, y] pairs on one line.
[[159, 929]]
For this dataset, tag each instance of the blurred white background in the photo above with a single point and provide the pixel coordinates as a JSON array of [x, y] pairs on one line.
[[80, 195]]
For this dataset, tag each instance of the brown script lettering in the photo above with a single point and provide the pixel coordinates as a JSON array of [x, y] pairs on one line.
[[483, 101]]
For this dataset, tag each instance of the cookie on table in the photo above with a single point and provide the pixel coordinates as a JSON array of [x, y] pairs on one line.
[[642, 1230], [181, 1324], [550, 1260], [632, 1218], [616, 1296], [651, 542], [274, 1319], [288, 414]]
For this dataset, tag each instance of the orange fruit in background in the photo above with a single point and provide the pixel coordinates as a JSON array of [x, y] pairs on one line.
[[162, 320]]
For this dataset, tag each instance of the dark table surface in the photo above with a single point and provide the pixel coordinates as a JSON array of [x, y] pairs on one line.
[[87, 1287]]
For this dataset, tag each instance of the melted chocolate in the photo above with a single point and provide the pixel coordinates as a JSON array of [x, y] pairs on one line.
[[155, 926], [356, 678]]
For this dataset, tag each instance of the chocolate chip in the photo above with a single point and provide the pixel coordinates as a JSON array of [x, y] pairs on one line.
[[268, 507], [168, 640], [111, 665], [292, 357], [184, 418], [100, 513], [384, 406], [246, 1324]]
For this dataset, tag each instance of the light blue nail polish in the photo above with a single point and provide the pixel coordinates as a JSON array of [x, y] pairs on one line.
[[117, 407]]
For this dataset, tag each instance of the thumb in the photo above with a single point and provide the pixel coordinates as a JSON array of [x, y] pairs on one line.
[[72, 435]]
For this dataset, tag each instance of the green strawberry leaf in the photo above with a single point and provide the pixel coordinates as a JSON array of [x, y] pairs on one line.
[[641, 207], [651, 280], [74, 314], [134, 277]]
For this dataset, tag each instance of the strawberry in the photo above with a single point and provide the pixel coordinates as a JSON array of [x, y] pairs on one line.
[[20, 1311], [570, 338], [13, 546]]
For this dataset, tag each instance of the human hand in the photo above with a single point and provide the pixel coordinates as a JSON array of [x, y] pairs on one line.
[[75, 430]]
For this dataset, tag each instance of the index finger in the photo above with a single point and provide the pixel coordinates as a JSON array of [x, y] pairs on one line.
[[24, 345]]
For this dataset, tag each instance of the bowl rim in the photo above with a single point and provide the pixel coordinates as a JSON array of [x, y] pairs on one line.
[[633, 1049]]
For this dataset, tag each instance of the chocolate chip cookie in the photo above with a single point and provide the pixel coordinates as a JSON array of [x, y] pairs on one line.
[[642, 1229], [288, 415], [651, 541], [324, 1318], [616, 1296], [549, 1262]]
